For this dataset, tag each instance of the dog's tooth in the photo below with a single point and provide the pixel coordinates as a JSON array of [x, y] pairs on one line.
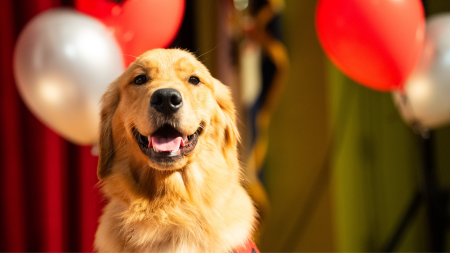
[[155, 149], [184, 139], [182, 143], [150, 144]]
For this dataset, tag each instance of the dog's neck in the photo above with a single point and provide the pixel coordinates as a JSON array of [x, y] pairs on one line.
[[154, 184]]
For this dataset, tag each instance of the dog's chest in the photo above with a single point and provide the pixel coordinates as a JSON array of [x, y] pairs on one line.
[[170, 239], [162, 231]]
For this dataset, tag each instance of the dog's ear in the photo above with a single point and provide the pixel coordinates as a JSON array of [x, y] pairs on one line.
[[109, 103], [223, 97]]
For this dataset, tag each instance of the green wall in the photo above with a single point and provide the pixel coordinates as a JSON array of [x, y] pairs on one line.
[[356, 203], [376, 165], [377, 161]]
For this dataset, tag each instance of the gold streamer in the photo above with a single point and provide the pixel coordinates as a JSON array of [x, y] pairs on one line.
[[277, 53]]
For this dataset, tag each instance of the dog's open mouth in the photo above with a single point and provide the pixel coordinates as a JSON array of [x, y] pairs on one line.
[[166, 142]]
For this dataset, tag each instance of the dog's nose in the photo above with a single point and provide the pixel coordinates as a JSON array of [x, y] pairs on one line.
[[166, 101]]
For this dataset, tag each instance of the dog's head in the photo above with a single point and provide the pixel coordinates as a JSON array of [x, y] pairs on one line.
[[164, 113]]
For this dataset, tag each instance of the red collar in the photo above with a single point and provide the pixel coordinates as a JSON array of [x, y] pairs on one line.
[[249, 247]]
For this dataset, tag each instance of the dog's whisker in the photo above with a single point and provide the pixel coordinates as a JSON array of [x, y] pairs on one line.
[[195, 53], [220, 43], [130, 55]]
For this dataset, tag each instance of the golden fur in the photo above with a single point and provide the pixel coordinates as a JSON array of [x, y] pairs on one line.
[[197, 204]]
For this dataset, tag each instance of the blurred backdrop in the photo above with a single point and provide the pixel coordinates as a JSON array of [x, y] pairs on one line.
[[331, 165]]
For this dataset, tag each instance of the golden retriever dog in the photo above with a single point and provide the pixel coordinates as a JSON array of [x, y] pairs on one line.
[[168, 162]]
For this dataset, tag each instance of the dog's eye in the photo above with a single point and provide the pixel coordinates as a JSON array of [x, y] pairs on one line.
[[139, 80], [194, 80]]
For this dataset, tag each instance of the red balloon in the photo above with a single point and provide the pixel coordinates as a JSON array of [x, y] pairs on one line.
[[375, 42], [138, 25]]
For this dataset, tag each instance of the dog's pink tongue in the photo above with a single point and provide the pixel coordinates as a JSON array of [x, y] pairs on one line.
[[166, 144]]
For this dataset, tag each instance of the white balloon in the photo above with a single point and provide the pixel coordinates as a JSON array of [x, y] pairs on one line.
[[426, 98], [63, 63]]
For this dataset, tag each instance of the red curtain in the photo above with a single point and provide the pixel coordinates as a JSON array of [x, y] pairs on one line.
[[49, 199]]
